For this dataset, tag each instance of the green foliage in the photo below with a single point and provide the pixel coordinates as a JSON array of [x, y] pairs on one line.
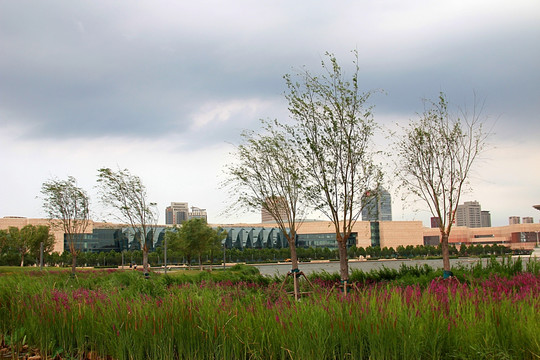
[[194, 239], [435, 155], [270, 175], [333, 132], [25, 242], [63, 200], [122, 315], [125, 196]]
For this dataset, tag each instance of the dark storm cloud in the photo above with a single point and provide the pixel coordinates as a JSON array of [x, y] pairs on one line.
[[71, 69]]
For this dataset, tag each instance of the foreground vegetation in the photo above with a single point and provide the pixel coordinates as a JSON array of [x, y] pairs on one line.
[[11, 256], [486, 311]]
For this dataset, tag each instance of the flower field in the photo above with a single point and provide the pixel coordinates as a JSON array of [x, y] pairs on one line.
[[122, 315]]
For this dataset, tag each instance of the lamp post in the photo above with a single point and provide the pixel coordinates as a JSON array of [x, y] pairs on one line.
[[224, 247]]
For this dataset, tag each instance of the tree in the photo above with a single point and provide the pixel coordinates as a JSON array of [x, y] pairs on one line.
[[126, 195], [435, 157], [193, 238], [215, 243], [269, 176], [333, 132], [3, 241], [66, 205], [28, 240]]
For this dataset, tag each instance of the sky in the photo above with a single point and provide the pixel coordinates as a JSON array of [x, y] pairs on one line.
[[164, 88]]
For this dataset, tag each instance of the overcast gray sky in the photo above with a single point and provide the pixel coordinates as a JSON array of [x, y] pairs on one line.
[[164, 87]]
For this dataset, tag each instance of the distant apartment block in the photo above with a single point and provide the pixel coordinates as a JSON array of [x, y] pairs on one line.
[[435, 222], [197, 213], [377, 206], [528, 220], [513, 220], [281, 206], [178, 212], [469, 214], [485, 218]]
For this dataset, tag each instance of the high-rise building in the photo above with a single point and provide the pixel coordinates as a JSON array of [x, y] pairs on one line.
[[528, 220], [513, 220], [177, 213], [485, 219], [377, 206], [435, 222], [469, 214], [280, 204], [198, 213]]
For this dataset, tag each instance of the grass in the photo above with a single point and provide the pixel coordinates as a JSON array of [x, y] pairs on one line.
[[488, 311]]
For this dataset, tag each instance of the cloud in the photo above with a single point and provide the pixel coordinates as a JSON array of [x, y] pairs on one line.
[[87, 83]]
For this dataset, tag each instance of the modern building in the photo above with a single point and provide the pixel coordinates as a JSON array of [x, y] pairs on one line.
[[377, 206], [178, 212], [469, 214], [280, 204], [197, 213], [528, 220], [118, 237], [514, 220], [485, 218]]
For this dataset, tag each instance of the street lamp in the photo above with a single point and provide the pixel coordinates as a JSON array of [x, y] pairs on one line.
[[224, 254]]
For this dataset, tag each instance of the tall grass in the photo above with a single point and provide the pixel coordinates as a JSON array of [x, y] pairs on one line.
[[125, 316]]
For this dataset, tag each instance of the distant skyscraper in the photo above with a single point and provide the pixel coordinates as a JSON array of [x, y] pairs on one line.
[[513, 220], [528, 220], [469, 214], [179, 212], [435, 222], [198, 213], [377, 206], [281, 205], [486, 218]]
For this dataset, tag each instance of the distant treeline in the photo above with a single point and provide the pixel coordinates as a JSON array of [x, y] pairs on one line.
[[156, 258]]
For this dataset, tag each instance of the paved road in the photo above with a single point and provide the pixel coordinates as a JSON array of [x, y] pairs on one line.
[[333, 267]]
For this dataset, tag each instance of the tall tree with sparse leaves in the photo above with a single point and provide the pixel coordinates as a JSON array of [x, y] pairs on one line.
[[333, 132], [126, 195], [269, 175], [435, 155], [67, 207]]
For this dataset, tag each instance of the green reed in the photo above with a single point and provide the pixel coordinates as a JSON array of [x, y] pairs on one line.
[[125, 316]]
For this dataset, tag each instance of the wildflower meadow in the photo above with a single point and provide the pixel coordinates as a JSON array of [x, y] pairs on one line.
[[114, 314]]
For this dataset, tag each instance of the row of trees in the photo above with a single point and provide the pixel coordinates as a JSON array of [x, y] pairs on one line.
[[27, 242], [324, 159], [194, 239], [121, 192], [216, 256]]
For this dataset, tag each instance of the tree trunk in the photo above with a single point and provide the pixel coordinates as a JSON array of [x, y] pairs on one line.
[[343, 260], [294, 256], [146, 268], [200, 262], [73, 263], [22, 260], [445, 251], [294, 264]]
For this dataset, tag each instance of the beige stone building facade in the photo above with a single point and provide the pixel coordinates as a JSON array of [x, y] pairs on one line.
[[387, 234]]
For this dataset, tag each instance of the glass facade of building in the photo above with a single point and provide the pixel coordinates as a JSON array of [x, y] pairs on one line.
[[377, 206], [116, 239], [124, 238]]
